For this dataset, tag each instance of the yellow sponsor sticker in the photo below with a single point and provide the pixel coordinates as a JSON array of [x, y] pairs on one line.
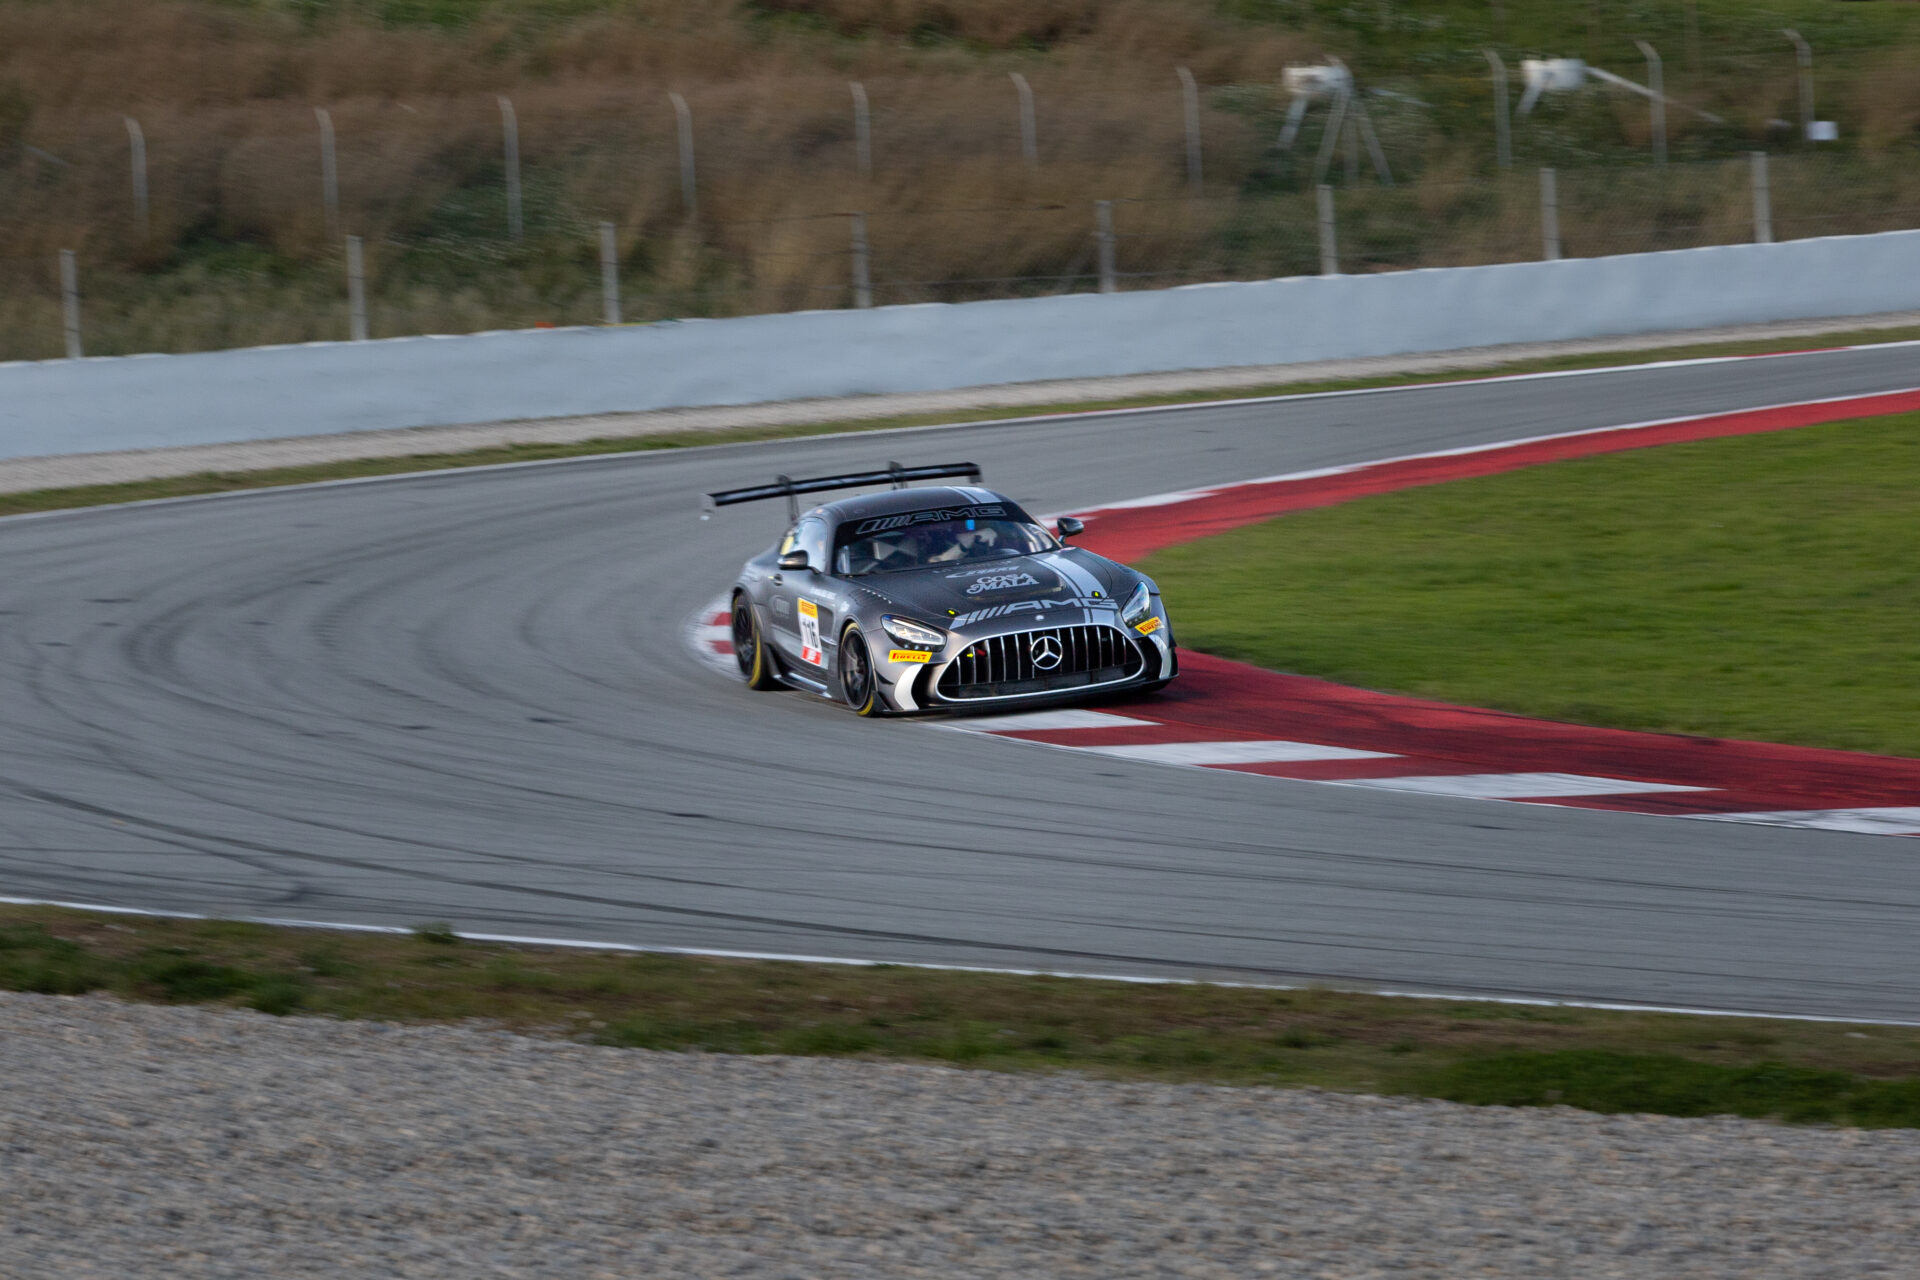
[[909, 655], [1148, 627]]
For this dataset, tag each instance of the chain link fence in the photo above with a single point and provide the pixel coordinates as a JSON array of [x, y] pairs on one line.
[[224, 229]]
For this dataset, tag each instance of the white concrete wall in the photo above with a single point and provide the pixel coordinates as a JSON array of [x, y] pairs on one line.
[[110, 403]]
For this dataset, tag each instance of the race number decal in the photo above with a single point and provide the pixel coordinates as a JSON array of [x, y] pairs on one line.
[[810, 634]]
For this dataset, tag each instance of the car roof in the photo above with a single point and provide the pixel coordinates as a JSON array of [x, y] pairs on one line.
[[895, 501]]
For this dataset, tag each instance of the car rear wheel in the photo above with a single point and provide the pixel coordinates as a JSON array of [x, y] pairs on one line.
[[857, 683], [755, 666]]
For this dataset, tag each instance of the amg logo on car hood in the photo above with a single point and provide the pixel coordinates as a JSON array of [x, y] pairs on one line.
[[1034, 606], [933, 515]]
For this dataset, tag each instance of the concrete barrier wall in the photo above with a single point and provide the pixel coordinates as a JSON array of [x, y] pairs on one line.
[[111, 403]]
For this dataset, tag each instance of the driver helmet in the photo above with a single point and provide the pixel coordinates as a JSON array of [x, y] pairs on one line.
[[974, 537], [906, 547]]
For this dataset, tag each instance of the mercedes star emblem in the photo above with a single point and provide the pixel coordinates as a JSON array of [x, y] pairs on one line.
[[1045, 652]]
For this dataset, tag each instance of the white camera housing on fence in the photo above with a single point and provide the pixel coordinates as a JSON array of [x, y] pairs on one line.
[[1316, 81], [1553, 75]]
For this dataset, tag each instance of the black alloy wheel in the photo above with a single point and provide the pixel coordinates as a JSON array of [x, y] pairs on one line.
[[857, 684], [747, 649]]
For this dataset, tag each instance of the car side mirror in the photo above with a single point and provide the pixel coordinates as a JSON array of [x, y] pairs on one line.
[[1069, 526], [795, 560]]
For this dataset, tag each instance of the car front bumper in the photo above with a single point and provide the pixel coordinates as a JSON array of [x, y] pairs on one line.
[[1029, 666]]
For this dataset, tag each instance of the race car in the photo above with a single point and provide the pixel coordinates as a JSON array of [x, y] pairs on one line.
[[945, 598]]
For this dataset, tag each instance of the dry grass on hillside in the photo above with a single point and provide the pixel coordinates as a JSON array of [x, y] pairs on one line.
[[237, 248], [114, 55], [226, 102]]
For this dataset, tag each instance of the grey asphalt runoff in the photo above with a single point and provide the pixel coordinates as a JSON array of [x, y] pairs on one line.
[[464, 697]]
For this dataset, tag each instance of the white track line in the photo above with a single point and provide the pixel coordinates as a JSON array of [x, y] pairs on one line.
[[1267, 751], [1868, 821], [629, 948], [1021, 722], [1515, 786]]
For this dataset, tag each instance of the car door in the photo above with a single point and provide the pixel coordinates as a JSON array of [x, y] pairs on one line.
[[804, 602]]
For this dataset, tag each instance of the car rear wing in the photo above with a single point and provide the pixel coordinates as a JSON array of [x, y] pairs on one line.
[[790, 489]]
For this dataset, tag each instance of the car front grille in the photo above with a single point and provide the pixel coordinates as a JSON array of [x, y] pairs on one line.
[[1011, 665]]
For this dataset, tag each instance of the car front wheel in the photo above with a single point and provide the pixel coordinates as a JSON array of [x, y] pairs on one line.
[[755, 666], [857, 683]]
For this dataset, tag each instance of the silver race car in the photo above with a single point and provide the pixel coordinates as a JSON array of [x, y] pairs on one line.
[[948, 598]]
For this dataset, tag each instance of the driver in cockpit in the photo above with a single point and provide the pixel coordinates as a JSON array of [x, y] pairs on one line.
[[902, 549], [971, 542]]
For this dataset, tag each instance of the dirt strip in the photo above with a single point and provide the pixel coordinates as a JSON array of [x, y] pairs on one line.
[[19, 475]]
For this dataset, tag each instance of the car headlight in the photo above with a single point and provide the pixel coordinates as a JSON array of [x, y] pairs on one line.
[[913, 634], [1138, 607]]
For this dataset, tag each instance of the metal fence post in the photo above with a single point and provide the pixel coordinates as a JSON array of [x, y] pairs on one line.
[[1549, 215], [1190, 101], [689, 201], [1329, 251], [70, 302], [1762, 201], [1029, 131], [862, 277], [329, 172], [1502, 122], [862, 131], [1336, 121], [137, 145], [1803, 55], [609, 275], [356, 292], [1103, 239], [1657, 101], [510, 137]]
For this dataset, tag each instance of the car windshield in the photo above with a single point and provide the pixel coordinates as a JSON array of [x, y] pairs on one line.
[[937, 543]]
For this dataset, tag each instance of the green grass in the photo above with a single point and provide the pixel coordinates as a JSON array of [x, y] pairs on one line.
[[229, 481], [1759, 587], [1665, 1084], [1513, 1055]]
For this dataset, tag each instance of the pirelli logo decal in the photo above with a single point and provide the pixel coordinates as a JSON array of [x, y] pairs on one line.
[[933, 515]]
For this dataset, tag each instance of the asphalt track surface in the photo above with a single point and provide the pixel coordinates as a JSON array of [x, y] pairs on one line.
[[464, 697]]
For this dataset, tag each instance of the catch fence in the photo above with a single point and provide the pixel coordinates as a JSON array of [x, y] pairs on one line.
[[566, 271]]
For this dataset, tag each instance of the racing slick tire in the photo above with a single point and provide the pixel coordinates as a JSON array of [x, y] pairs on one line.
[[756, 664], [858, 684]]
